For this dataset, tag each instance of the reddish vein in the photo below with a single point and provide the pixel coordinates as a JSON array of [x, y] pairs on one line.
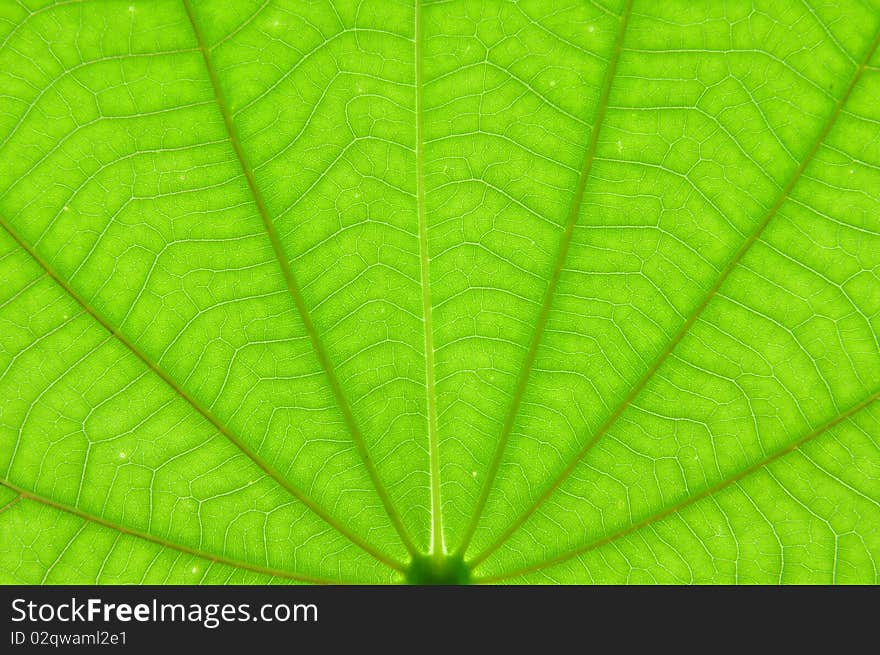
[[695, 314], [709, 491], [544, 312], [195, 403], [91, 518], [293, 287]]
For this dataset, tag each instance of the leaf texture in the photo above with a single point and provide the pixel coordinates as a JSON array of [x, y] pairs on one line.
[[532, 291]]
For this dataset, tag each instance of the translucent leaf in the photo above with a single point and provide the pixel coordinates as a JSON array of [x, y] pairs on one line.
[[460, 291]]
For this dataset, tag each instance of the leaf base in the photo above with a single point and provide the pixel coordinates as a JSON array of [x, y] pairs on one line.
[[431, 570]]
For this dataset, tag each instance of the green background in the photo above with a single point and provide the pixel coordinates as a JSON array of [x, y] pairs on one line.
[[460, 291]]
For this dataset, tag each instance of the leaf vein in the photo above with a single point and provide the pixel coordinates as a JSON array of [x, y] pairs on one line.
[[549, 294], [201, 409], [295, 292], [690, 500], [23, 494], [734, 261]]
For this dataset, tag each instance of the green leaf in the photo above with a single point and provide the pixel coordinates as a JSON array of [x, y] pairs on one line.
[[461, 291]]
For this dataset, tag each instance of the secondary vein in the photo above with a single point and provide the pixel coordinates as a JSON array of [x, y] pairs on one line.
[[732, 263], [295, 292], [437, 542], [550, 292], [709, 491], [23, 494], [236, 440]]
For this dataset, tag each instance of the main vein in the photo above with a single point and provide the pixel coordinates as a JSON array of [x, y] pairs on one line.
[[293, 287], [146, 536], [690, 500], [437, 542], [549, 293], [195, 403], [732, 263]]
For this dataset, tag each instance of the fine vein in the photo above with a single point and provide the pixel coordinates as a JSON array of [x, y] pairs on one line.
[[544, 312], [195, 403], [437, 543], [690, 500], [695, 314], [146, 536], [293, 287]]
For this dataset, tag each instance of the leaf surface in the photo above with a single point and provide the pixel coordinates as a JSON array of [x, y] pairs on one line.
[[375, 291]]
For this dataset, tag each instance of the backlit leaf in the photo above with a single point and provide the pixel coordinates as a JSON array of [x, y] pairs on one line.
[[466, 290]]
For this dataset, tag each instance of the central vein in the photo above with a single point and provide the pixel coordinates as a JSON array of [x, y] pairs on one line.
[[437, 545]]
